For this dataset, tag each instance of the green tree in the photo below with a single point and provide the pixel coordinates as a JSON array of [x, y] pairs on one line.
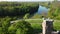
[[26, 16], [20, 27], [5, 24]]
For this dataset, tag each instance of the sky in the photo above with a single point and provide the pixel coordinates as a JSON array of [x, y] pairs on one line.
[[26, 0]]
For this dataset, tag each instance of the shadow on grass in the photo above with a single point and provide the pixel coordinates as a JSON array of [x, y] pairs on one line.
[[37, 31]]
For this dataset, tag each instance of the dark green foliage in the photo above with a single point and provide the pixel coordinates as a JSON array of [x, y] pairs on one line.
[[20, 27], [0, 30], [26, 16], [5, 23], [54, 12], [17, 9]]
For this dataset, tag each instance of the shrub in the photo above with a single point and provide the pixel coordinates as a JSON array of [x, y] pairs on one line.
[[26, 16], [20, 27]]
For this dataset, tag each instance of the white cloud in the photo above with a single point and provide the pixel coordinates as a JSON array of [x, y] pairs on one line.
[[26, 0]]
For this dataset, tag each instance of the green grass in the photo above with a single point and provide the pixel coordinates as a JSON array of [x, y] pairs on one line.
[[37, 24], [37, 27], [34, 21], [56, 25]]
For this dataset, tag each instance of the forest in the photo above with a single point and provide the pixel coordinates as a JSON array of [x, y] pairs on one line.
[[17, 9]]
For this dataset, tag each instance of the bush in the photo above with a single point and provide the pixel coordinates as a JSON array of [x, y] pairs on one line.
[[26, 16], [20, 27], [5, 23]]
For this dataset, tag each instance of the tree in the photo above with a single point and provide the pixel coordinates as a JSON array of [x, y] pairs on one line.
[[5, 24], [26, 16], [20, 27]]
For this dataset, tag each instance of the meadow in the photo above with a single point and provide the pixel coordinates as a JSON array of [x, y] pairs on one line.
[[37, 24]]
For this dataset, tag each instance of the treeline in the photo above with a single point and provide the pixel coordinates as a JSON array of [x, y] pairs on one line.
[[17, 9], [54, 11]]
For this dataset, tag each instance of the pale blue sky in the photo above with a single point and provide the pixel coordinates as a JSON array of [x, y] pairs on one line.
[[26, 0]]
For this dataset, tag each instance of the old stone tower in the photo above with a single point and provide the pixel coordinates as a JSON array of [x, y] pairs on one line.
[[47, 26]]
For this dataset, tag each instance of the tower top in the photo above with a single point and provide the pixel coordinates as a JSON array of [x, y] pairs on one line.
[[47, 19]]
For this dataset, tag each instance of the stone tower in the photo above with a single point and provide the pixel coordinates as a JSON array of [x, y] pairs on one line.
[[47, 26]]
